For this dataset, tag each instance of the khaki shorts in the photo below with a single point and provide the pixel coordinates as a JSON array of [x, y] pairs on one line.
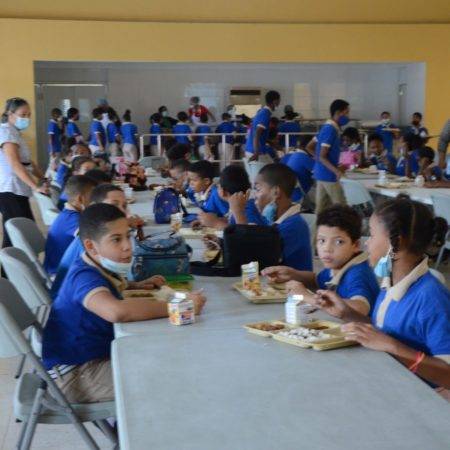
[[89, 383], [327, 194], [253, 167]]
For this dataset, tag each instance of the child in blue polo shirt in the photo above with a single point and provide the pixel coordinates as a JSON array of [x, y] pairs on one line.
[[182, 127], [72, 130], [289, 125], [113, 133], [387, 130], [302, 164], [411, 316], [97, 139], [274, 186], [54, 133], [427, 167], [78, 334], [129, 131], [62, 231], [155, 129], [204, 148], [408, 162], [346, 271], [379, 156], [416, 126], [226, 148], [328, 147]]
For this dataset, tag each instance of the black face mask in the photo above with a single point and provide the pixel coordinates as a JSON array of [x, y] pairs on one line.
[[416, 122]]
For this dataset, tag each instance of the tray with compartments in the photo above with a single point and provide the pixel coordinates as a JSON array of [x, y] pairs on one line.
[[271, 293]]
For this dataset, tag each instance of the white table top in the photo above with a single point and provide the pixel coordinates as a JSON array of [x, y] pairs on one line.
[[227, 389]]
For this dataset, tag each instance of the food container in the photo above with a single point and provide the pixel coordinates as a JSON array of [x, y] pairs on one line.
[[419, 181], [176, 221], [128, 192], [296, 310], [382, 179], [181, 310]]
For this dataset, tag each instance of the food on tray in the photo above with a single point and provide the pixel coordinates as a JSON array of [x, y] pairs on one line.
[[250, 278], [305, 334], [137, 293], [266, 326]]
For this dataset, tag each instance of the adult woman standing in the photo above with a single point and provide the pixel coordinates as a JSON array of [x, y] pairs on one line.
[[17, 170]]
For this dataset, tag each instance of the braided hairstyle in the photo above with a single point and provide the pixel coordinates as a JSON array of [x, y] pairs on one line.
[[412, 222]]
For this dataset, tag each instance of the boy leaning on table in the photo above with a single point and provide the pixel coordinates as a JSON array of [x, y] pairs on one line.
[[78, 334]]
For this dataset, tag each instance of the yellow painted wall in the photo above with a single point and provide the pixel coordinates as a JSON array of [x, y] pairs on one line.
[[24, 41]]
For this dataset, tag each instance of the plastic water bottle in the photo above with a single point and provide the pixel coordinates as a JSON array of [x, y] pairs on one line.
[[382, 177], [419, 181]]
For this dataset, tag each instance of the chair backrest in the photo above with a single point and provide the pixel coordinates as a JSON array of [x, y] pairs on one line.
[[441, 206], [25, 277], [46, 207], [15, 317], [310, 219], [155, 162], [355, 192], [438, 275]]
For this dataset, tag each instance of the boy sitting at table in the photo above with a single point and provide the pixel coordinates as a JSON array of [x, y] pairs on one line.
[[379, 156], [427, 167], [346, 268], [78, 334]]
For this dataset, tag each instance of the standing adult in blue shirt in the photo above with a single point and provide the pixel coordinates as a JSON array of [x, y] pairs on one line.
[[327, 151], [155, 130], [226, 149], [289, 125], [387, 130], [97, 134], [417, 128], [72, 130], [256, 148], [129, 131]]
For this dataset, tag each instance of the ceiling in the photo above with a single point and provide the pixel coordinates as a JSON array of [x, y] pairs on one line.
[[253, 11]]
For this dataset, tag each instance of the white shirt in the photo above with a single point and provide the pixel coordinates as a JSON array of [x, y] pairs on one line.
[[9, 181]]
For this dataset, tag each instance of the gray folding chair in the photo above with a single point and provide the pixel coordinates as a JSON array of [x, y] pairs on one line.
[[441, 206], [49, 212], [25, 234], [37, 399], [310, 219]]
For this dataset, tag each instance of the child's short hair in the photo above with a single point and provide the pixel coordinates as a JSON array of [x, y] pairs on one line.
[[101, 191], [418, 115], [204, 169], [56, 112], [280, 175], [385, 112], [156, 118], [272, 96], [127, 116], [79, 161], [290, 115], [204, 118], [95, 218], [72, 112], [178, 151], [182, 116], [78, 184], [181, 164], [352, 133], [426, 152], [338, 106], [99, 176], [234, 179], [374, 137], [97, 113], [226, 116], [343, 217]]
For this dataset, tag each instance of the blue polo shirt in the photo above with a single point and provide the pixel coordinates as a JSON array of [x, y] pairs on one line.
[[358, 280], [254, 217], [387, 136], [155, 128], [302, 164], [128, 131], [96, 127], [111, 132], [289, 126], [328, 135], [239, 128], [202, 129], [400, 168], [181, 127], [61, 172], [378, 161], [73, 335], [226, 127], [421, 318], [419, 131], [261, 120], [55, 134], [60, 235], [72, 129], [213, 203]]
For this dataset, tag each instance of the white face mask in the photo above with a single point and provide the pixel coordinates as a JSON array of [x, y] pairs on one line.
[[118, 268], [353, 147], [385, 121]]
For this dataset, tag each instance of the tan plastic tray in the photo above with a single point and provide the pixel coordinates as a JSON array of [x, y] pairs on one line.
[[189, 233], [332, 328], [279, 294]]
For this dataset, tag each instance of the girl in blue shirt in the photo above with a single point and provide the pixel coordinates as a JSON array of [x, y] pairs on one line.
[[113, 133], [129, 131], [97, 135], [72, 130], [411, 317], [155, 129], [408, 162]]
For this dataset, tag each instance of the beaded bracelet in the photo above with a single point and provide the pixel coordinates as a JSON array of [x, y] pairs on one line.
[[420, 356]]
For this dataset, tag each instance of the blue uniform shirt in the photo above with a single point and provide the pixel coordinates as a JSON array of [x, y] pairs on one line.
[[61, 173], [226, 127], [212, 203], [179, 128], [416, 311], [289, 126], [60, 235], [111, 132], [355, 279], [302, 164], [378, 161], [128, 131], [387, 136], [261, 120], [72, 129], [154, 129], [55, 133], [400, 168], [73, 335], [328, 136], [419, 131], [96, 127], [202, 129]]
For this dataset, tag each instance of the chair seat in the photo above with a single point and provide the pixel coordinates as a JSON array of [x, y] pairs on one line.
[[25, 393]]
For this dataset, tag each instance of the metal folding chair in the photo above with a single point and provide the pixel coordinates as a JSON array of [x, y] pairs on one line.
[[441, 206], [47, 208]]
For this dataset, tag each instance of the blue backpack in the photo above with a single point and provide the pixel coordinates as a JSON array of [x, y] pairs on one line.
[[167, 202]]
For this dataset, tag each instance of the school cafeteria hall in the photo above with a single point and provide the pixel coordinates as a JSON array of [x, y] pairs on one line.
[[225, 225]]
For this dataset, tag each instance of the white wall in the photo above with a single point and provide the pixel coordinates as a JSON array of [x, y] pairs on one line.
[[143, 87]]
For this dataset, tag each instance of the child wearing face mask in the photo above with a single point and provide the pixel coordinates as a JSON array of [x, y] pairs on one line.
[[351, 151], [408, 161], [387, 130], [62, 231], [417, 128], [346, 268], [79, 332]]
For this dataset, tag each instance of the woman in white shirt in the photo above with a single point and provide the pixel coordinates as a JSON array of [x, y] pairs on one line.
[[18, 173]]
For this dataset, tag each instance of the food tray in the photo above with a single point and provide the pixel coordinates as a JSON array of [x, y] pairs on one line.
[[276, 294], [189, 233], [332, 328], [395, 185]]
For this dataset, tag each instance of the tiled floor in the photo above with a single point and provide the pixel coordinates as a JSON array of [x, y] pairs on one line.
[[51, 437]]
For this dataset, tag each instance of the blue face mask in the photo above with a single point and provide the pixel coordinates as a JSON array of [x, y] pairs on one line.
[[383, 267], [270, 212], [343, 120], [22, 123], [118, 268]]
